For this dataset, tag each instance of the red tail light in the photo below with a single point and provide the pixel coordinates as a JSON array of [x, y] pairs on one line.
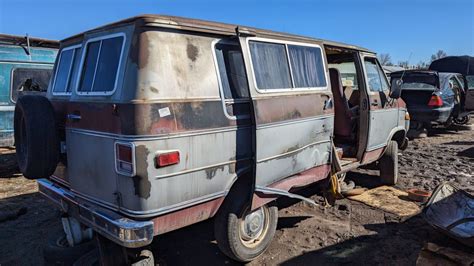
[[435, 101], [124, 160], [168, 158]]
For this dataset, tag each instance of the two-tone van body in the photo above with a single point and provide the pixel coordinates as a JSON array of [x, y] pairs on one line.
[[161, 122], [25, 66]]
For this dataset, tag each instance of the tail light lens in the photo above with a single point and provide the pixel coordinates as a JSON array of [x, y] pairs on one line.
[[124, 159], [435, 101], [167, 158]]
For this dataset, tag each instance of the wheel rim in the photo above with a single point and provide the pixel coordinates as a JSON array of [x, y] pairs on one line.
[[254, 227], [463, 120]]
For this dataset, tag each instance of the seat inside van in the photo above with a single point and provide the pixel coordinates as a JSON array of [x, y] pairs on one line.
[[343, 74]]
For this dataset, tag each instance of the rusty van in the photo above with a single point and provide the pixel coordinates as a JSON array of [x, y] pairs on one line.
[[155, 123]]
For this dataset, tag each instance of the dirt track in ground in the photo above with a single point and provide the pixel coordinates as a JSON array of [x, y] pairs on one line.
[[349, 232]]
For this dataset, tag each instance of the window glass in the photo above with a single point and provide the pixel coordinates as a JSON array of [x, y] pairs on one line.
[[270, 64], [454, 83], [88, 69], [307, 66], [470, 82], [67, 66], [64, 67], [375, 76], [29, 79], [101, 65], [348, 74], [108, 64], [232, 71]]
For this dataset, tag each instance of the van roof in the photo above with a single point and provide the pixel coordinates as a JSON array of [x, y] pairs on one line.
[[151, 20], [34, 42]]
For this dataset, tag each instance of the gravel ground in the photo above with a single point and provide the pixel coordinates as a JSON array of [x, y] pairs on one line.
[[349, 232]]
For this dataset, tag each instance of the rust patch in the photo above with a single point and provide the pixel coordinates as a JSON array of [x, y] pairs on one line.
[[140, 181], [192, 52], [211, 172], [143, 51], [154, 90]]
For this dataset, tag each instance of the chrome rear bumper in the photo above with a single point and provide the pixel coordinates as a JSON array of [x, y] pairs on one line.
[[120, 229]]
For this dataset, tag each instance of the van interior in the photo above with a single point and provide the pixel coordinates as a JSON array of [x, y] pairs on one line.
[[344, 74]]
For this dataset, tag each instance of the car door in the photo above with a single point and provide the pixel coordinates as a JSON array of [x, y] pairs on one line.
[[469, 101], [383, 110], [292, 126]]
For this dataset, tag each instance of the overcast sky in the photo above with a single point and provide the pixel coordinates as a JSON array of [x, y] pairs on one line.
[[400, 28]]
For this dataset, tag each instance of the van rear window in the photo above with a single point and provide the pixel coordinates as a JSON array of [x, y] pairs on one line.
[[67, 65], [100, 67], [281, 66]]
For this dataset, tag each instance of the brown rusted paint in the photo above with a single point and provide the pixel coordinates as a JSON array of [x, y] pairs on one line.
[[293, 182], [187, 216], [372, 156], [284, 108], [141, 183], [144, 118]]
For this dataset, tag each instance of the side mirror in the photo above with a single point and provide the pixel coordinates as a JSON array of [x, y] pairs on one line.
[[396, 89]]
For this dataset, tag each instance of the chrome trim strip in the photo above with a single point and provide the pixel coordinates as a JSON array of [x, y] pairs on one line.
[[7, 108], [294, 151], [122, 230], [295, 121]]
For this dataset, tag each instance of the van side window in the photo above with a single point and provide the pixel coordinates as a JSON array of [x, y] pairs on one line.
[[232, 71], [29, 79], [67, 65], [270, 64], [375, 75], [99, 71], [284, 66], [307, 66]]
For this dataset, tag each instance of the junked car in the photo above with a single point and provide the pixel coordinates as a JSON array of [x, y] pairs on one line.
[[155, 123], [431, 97], [25, 67], [464, 65]]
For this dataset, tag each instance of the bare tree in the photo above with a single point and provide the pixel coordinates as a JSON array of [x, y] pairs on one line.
[[422, 65], [403, 64], [385, 59], [440, 54]]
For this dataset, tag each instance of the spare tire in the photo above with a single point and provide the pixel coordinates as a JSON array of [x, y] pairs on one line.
[[36, 137]]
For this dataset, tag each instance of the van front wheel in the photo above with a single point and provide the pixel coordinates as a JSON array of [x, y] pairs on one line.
[[244, 235], [388, 164]]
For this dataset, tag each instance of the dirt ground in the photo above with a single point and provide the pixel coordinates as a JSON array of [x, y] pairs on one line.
[[347, 233]]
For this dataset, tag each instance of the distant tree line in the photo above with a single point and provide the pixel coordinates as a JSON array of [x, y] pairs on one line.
[[386, 60]]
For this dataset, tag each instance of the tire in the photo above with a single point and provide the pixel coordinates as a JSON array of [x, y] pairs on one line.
[[228, 228], [388, 164], [462, 120], [36, 137], [58, 252]]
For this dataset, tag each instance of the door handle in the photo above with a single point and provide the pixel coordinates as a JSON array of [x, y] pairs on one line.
[[74, 117]]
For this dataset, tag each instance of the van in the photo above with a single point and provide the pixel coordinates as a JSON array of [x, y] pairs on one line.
[[155, 123], [25, 67]]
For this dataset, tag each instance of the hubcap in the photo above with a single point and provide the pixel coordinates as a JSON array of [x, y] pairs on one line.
[[253, 225]]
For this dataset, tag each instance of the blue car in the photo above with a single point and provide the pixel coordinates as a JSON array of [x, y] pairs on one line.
[[25, 67], [431, 97]]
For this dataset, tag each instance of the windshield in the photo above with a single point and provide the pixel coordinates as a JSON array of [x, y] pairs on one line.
[[414, 85]]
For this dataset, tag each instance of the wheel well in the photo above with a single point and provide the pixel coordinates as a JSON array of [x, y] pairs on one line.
[[399, 137]]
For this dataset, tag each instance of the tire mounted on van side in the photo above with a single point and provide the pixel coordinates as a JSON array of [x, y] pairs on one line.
[[36, 137]]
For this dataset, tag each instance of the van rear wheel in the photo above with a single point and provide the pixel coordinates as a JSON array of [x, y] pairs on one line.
[[244, 235], [388, 164]]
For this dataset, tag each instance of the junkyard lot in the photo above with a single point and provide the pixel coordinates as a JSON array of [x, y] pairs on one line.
[[349, 232]]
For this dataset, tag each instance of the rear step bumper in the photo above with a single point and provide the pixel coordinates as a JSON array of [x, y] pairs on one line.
[[121, 230]]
